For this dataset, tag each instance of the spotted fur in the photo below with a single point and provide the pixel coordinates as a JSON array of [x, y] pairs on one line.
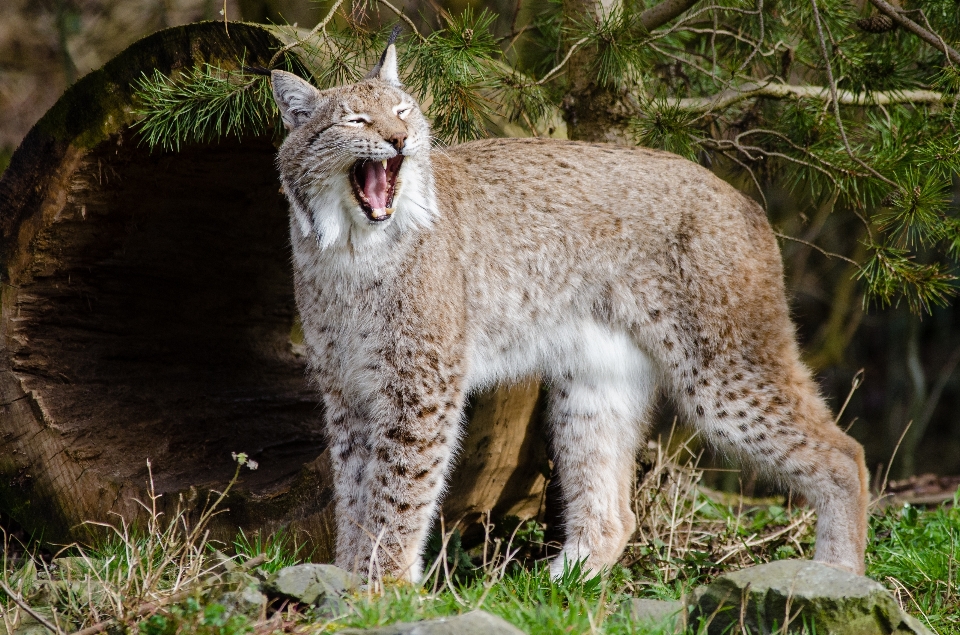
[[611, 272]]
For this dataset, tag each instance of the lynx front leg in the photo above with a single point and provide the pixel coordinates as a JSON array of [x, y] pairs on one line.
[[598, 423], [350, 450], [411, 436]]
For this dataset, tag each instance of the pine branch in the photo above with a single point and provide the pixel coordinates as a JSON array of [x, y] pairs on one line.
[[405, 18], [783, 91], [929, 37], [319, 28], [204, 103]]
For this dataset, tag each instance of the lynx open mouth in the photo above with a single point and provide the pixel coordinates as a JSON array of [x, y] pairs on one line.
[[374, 183]]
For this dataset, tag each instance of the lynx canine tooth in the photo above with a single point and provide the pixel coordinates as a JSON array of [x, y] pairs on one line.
[[384, 162]]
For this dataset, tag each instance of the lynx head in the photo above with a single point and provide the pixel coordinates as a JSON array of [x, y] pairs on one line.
[[356, 158]]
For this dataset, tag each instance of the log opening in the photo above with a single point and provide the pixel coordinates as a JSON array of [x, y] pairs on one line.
[[147, 312]]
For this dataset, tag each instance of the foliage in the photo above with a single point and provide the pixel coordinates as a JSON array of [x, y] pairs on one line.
[[181, 584], [885, 155], [206, 103], [916, 551], [279, 548], [192, 617]]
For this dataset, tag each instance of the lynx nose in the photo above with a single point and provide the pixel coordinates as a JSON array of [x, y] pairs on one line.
[[397, 140]]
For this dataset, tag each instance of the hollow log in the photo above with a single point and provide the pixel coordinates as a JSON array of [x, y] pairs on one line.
[[147, 313]]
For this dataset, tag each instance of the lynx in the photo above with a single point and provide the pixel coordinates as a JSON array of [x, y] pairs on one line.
[[610, 272]]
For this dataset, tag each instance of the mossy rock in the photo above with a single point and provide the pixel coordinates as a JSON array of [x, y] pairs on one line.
[[803, 595]]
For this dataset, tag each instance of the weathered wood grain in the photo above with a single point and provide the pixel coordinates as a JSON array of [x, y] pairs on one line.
[[147, 313]]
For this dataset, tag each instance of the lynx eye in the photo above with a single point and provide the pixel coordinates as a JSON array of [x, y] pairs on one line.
[[357, 120], [403, 112]]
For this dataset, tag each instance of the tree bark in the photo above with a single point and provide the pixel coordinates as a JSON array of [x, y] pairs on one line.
[[592, 112], [602, 113], [147, 313]]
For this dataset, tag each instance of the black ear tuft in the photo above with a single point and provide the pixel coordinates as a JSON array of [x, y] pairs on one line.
[[386, 68]]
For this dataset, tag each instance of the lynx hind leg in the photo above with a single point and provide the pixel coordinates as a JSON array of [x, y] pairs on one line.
[[598, 420], [772, 417]]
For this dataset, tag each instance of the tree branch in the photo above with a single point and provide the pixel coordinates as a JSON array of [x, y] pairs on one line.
[[26, 607], [834, 92], [782, 91], [566, 59], [321, 26], [402, 16], [929, 37], [664, 12]]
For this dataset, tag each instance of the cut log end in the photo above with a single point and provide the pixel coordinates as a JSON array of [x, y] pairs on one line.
[[147, 313]]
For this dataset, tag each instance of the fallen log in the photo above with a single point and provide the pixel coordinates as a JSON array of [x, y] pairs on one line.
[[147, 313]]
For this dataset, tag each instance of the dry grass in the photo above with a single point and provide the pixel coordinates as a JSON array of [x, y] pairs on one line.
[[131, 574], [687, 533], [166, 579]]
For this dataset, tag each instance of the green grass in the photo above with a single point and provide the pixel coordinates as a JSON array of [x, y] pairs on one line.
[[164, 579], [914, 552]]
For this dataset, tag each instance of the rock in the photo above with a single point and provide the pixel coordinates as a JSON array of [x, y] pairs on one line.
[[248, 601], [74, 567], [472, 623], [835, 601], [27, 626], [317, 584], [659, 612]]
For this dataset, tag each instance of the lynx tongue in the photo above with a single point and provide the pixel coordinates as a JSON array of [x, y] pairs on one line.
[[375, 187]]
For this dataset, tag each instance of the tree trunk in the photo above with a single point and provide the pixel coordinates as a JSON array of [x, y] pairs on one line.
[[593, 112], [147, 313]]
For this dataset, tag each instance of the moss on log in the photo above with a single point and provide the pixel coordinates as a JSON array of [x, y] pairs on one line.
[[147, 313]]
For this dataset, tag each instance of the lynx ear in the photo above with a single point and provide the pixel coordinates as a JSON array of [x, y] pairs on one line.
[[296, 98], [386, 68]]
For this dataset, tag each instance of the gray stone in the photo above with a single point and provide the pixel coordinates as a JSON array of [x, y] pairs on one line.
[[311, 583], [835, 601], [75, 567], [27, 626], [659, 612], [472, 623], [248, 601]]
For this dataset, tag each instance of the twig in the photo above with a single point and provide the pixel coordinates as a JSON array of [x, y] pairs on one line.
[[226, 26], [413, 27], [689, 63], [727, 144], [828, 254], [752, 174], [782, 91], [556, 68], [883, 485], [321, 26], [26, 607], [836, 104], [759, 41], [855, 383], [932, 39]]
